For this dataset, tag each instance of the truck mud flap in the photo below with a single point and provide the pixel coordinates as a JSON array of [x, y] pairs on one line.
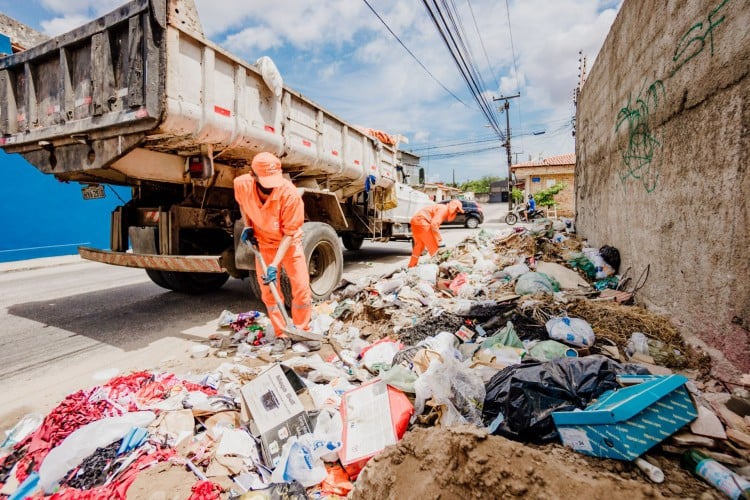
[[176, 263]]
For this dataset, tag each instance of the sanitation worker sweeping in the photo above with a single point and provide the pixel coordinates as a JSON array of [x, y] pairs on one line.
[[425, 227], [273, 213]]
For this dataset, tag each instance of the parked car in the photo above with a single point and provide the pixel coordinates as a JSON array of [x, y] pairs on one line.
[[472, 216]]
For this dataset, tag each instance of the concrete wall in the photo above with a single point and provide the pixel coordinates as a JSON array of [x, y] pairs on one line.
[[663, 145], [19, 33]]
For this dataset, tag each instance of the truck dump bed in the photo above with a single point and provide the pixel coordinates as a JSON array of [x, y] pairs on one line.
[[129, 96]]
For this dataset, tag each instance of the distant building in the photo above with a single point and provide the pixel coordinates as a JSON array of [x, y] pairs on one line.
[[499, 192], [535, 176], [409, 164], [439, 192]]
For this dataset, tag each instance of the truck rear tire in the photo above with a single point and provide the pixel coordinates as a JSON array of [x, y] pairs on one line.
[[194, 283], [352, 242], [158, 278], [325, 260], [254, 285]]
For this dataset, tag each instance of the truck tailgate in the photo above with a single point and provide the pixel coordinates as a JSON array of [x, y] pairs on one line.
[[144, 80]]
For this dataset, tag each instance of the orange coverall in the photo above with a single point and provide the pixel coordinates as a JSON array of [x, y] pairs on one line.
[[425, 227], [282, 214]]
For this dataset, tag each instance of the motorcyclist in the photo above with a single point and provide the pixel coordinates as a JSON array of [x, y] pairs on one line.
[[530, 208]]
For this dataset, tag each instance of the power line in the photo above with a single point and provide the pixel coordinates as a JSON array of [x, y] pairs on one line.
[[412, 54], [457, 50], [484, 49]]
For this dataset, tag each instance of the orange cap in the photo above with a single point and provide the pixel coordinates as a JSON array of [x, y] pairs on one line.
[[456, 206], [268, 170]]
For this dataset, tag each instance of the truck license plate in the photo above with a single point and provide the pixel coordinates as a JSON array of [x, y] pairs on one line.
[[93, 192]]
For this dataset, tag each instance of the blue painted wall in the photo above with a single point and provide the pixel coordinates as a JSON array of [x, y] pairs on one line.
[[42, 217]]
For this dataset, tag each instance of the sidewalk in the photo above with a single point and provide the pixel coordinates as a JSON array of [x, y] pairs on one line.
[[25, 265]]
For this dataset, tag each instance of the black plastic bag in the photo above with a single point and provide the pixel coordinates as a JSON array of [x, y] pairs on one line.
[[611, 256], [528, 393]]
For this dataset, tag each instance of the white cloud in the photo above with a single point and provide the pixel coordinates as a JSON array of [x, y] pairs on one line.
[[59, 25], [253, 39]]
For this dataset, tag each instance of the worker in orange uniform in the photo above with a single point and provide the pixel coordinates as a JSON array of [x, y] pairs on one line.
[[425, 227], [273, 208]]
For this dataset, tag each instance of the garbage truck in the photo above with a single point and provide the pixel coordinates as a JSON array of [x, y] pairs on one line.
[[140, 98]]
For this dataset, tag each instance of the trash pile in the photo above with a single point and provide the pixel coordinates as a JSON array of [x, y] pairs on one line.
[[461, 375]]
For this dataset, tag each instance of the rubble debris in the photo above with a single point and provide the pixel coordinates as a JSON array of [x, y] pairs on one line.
[[497, 335]]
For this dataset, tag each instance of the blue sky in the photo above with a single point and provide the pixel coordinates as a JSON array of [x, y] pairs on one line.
[[340, 55]]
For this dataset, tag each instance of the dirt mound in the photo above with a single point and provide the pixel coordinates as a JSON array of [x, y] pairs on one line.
[[466, 462]]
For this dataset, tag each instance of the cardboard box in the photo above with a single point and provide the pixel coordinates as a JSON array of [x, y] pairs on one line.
[[626, 423], [277, 412], [375, 415]]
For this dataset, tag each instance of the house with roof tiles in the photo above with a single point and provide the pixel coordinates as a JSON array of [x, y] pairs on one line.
[[534, 176]]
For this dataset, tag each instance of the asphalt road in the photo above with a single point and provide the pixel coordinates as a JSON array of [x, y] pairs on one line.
[[63, 320]]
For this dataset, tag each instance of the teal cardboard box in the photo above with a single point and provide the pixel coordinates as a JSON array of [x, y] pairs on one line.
[[625, 423]]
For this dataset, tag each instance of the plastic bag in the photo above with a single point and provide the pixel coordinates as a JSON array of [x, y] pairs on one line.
[[547, 350], [485, 267], [327, 433], [507, 336], [426, 272], [580, 261], [84, 441], [454, 387], [573, 331], [611, 256], [515, 271], [399, 377], [28, 424], [603, 270], [527, 394], [532, 282], [300, 462], [271, 75], [380, 354]]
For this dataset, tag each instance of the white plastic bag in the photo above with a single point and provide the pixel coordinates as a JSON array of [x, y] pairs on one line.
[[457, 388], [329, 429], [301, 461], [515, 271], [271, 75], [84, 441], [426, 272], [572, 331]]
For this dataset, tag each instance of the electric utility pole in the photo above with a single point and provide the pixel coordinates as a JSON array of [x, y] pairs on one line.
[[506, 108]]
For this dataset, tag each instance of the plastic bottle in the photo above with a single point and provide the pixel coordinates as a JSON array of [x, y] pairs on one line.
[[651, 471], [718, 476]]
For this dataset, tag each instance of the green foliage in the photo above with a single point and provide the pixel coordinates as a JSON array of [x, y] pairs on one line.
[[480, 186], [546, 197], [517, 195]]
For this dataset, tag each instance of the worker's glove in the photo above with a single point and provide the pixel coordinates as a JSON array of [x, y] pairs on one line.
[[248, 237], [270, 276]]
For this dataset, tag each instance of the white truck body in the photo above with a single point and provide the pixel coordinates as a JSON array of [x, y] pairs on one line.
[[140, 97]]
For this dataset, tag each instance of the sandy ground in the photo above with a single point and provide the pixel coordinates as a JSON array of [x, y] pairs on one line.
[[464, 462]]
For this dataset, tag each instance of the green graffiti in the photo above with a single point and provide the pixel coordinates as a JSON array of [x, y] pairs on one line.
[[638, 157], [693, 42]]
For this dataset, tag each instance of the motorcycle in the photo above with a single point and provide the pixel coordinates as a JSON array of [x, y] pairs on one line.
[[517, 214]]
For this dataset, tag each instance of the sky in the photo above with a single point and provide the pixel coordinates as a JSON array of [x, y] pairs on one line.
[[342, 56]]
